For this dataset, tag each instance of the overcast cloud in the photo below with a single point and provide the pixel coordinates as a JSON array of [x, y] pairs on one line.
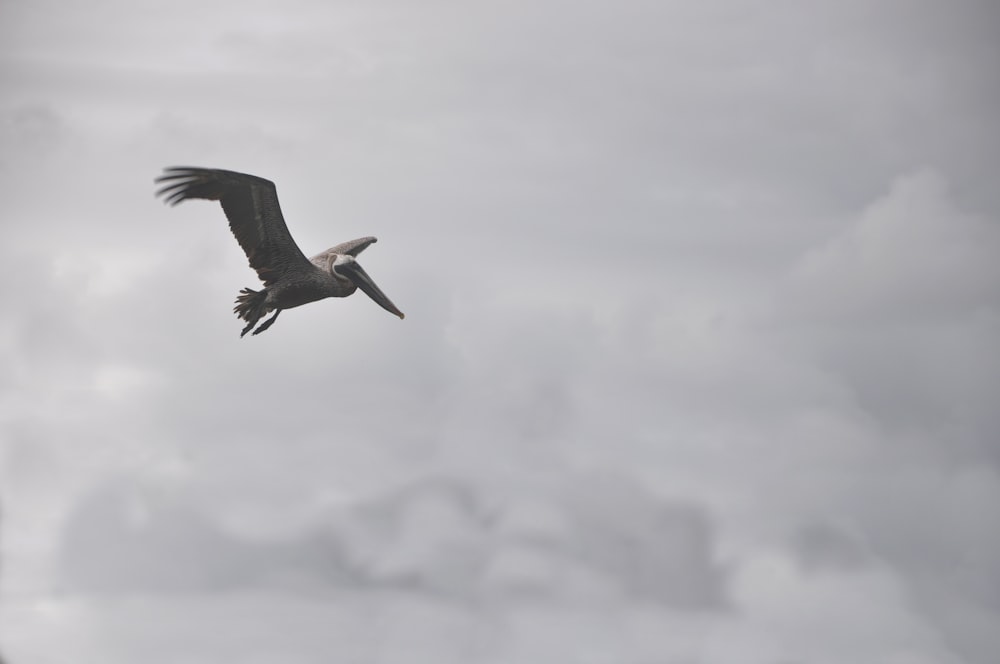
[[699, 364]]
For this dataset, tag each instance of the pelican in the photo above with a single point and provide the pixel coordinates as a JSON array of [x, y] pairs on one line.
[[290, 279]]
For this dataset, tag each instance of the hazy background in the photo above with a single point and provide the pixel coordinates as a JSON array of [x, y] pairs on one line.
[[700, 362]]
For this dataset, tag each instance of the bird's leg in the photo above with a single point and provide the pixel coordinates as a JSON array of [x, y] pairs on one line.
[[249, 327], [268, 323]]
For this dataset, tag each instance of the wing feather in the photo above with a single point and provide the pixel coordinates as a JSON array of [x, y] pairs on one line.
[[251, 205]]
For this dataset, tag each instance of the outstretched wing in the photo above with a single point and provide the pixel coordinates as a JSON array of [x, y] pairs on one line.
[[352, 248], [251, 205]]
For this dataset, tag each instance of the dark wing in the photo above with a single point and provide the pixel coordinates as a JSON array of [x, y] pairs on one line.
[[251, 205]]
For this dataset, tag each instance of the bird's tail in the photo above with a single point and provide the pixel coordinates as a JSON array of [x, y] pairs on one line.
[[251, 305]]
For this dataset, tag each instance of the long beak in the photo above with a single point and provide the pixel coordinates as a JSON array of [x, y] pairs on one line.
[[361, 279]]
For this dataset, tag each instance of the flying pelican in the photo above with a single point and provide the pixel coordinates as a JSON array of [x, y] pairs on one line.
[[290, 279]]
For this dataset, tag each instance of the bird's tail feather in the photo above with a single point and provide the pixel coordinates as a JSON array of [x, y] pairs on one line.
[[251, 305]]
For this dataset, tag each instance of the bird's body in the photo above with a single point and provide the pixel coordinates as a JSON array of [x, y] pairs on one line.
[[290, 279]]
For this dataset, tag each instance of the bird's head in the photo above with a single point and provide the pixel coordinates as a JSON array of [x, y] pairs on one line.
[[345, 267]]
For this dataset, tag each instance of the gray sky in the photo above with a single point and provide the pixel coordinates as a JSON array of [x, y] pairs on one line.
[[699, 363]]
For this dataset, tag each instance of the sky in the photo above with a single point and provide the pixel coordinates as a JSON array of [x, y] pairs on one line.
[[699, 361]]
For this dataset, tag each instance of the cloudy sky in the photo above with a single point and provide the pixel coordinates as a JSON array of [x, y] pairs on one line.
[[699, 366]]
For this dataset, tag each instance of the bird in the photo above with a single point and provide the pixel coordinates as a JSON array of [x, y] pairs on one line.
[[290, 279]]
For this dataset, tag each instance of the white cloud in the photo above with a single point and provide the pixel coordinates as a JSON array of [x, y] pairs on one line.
[[912, 257], [903, 305], [833, 617]]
